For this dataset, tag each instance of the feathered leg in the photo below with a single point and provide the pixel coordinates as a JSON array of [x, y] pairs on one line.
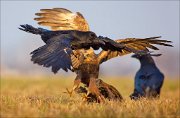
[[93, 89]]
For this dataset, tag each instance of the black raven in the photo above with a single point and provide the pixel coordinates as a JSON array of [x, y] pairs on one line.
[[60, 45], [148, 79]]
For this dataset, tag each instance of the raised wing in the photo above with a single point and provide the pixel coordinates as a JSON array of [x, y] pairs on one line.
[[62, 19], [132, 43], [56, 54]]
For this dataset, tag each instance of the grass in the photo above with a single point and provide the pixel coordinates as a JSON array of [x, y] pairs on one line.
[[40, 97]]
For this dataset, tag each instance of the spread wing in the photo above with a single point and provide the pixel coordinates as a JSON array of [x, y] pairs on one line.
[[62, 19], [56, 54], [133, 43]]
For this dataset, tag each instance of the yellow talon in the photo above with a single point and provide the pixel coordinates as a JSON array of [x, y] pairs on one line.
[[85, 97], [69, 92]]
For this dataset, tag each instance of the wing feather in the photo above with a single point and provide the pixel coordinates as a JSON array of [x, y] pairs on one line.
[[133, 43], [55, 53], [62, 19]]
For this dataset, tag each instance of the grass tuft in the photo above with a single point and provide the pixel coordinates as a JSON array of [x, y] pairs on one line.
[[46, 98]]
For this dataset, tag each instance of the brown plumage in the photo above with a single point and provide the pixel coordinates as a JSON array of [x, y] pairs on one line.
[[134, 43], [85, 62], [108, 91], [62, 19]]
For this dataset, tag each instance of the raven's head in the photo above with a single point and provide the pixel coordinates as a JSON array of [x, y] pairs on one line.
[[87, 39], [141, 54], [92, 37], [84, 35]]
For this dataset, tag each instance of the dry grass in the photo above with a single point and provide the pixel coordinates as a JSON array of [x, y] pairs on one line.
[[45, 98]]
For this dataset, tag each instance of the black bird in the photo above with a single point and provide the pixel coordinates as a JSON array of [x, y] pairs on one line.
[[60, 45], [149, 79], [66, 46]]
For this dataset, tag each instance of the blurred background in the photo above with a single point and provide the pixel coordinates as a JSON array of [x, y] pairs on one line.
[[114, 19]]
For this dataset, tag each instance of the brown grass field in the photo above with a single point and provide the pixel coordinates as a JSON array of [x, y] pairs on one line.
[[45, 97]]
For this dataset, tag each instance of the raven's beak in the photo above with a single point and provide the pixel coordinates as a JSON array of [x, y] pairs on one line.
[[139, 53], [99, 41], [134, 56], [156, 55], [102, 42]]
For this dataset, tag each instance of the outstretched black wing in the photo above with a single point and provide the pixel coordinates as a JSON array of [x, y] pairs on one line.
[[59, 45], [55, 54]]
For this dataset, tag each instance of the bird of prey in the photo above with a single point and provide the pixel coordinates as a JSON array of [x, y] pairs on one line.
[[85, 63], [149, 79]]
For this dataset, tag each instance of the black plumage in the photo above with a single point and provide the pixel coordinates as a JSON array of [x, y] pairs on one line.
[[149, 79], [59, 45]]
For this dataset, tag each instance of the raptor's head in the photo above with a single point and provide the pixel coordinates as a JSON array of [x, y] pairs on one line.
[[89, 53]]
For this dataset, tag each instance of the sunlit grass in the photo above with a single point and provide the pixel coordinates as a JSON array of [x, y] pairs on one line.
[[45, 97]]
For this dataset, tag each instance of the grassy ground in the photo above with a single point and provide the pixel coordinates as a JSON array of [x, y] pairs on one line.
[[45, 98]]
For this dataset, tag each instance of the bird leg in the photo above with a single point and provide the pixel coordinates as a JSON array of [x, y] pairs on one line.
[[93, 89], [77, 82]]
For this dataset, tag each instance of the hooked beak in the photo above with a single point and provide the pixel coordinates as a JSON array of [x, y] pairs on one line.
[[99, 41], [149, 53], [156, 55], [134, 56]]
